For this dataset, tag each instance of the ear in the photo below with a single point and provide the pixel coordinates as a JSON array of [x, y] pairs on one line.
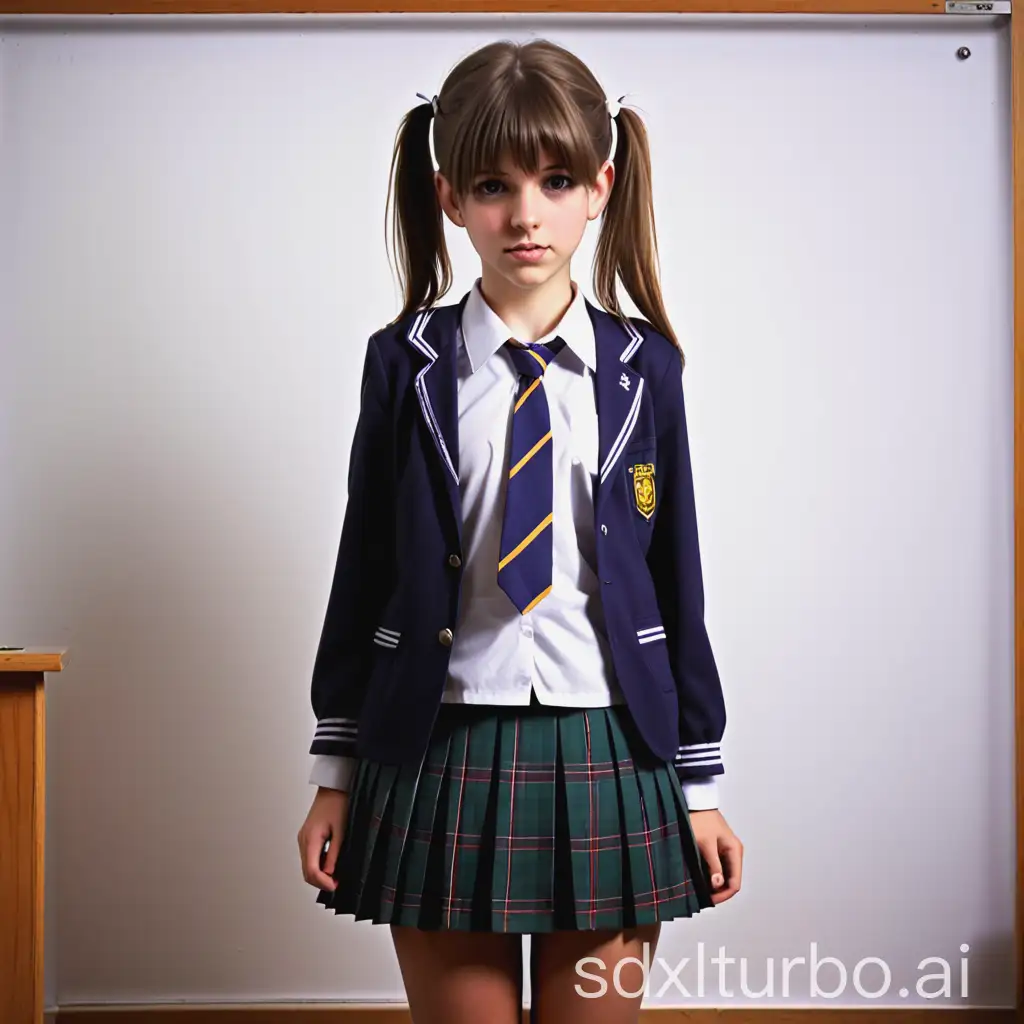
[[601, 190], [446, 198]]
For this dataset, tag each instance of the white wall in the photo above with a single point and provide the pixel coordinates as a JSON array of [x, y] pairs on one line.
[[193, 257]]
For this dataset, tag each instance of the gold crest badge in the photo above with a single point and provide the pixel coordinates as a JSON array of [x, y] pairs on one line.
[[643, 488]]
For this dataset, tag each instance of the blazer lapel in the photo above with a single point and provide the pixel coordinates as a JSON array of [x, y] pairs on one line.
[[434, 333], [619, 390]]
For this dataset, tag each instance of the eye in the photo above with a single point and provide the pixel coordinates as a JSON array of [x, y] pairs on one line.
[[494, 187], [569, 183], [483, 187]]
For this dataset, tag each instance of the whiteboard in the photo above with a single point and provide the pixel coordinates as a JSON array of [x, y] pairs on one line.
[[192, 236]]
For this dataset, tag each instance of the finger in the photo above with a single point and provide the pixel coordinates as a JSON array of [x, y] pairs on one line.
[[727, 891], [732, 857], [724, 894], [315, 862], [709, 851], [331, 857]]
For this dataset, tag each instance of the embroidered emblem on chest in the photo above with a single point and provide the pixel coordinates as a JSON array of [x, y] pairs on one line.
[[643, 488], [624, 381]]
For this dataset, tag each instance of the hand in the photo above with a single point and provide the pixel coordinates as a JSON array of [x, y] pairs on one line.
[[326, 820], [719, 844]]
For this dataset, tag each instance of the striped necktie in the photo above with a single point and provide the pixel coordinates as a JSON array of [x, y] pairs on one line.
[[524, 567]]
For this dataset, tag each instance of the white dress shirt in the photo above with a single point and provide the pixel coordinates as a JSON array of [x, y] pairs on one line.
[[559, 649]]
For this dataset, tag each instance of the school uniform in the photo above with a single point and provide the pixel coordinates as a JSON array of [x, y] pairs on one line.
[[491, 749]]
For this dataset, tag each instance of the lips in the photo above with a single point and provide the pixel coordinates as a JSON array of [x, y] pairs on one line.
[[526, 248]]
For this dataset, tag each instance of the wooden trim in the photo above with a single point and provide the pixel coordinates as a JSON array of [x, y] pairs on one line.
[[31, 659], [23, 828], [150, 7], [22, 823], [394, 1014], [1017, 144]]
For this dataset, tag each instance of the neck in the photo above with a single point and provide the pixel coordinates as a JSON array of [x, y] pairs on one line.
[[529, 313]]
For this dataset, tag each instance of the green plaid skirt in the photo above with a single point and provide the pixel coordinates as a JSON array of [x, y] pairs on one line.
[[520, 819]]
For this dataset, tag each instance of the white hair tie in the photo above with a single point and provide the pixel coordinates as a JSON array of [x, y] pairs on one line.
[[614, 106], [434, 103]]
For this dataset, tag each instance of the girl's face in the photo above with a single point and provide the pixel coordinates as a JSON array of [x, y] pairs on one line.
[[506, 208]]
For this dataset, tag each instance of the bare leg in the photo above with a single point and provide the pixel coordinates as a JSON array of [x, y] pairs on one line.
[[454, 977], [556, 954]]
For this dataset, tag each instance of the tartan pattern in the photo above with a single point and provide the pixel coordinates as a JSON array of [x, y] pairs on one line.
[[520, 819]]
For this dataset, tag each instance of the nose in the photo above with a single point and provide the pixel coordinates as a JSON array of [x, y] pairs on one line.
[[526, 208]]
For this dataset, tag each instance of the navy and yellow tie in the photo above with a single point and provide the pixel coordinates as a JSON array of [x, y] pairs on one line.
[[524, 566]]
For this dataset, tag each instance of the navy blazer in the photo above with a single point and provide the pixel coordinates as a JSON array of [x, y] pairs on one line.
[[382, 661]]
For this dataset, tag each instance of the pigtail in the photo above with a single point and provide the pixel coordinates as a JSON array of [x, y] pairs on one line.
[[417, 228], [627, 244]]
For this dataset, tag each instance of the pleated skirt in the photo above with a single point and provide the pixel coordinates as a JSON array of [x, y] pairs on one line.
[[520, 819]]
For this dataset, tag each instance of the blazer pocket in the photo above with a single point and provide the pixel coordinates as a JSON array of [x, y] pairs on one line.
[[386, 637], [640, 443]]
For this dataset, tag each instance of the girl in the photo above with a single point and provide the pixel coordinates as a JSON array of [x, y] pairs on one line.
[[518, 710]]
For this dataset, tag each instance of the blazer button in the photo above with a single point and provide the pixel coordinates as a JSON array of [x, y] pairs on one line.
[[454, 561], [446, 637]]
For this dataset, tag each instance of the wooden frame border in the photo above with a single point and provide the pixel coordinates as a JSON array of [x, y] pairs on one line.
[[856, 7]]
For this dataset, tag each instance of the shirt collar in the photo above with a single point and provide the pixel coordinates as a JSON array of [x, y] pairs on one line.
[[484, 332]]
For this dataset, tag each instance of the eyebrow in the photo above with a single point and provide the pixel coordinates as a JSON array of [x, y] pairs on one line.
[[502, 174]]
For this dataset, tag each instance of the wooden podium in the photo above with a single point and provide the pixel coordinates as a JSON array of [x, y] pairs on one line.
[[22, 825]]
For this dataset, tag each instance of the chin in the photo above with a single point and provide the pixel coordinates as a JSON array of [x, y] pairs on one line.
[[535, 273], [531, 277]]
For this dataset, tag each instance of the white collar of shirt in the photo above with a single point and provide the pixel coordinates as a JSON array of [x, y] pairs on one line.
[[484, 332]]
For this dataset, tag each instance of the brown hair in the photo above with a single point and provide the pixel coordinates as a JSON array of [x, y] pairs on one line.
[[517, 99]]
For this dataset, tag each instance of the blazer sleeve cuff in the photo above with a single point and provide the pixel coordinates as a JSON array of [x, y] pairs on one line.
[[333, 772], [335, 737], [696, 760]]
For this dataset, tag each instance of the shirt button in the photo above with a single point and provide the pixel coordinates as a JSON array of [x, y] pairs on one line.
[[454, 561], [528, 632], [575, 461], [446, 637], [604, 529]]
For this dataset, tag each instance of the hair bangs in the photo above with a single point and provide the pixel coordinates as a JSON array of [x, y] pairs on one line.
[[521, 125]]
